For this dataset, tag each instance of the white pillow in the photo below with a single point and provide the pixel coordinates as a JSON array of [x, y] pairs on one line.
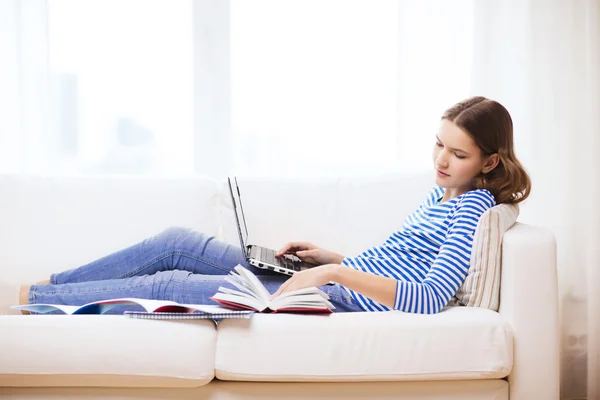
[[481, 287]]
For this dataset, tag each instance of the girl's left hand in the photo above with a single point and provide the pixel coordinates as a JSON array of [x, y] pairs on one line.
[[316, 276]]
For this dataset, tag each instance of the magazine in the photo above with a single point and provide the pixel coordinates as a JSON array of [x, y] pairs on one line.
[[168, 309]]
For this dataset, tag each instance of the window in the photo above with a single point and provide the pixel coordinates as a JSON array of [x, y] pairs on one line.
[[263, 87], [314, 86], [121, 86]]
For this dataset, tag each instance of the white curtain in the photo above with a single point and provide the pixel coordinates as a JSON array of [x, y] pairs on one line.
[[435, 60], [24, 72], [314, 86], [541, 60], [96, 87], [344, 87], [348, 87]]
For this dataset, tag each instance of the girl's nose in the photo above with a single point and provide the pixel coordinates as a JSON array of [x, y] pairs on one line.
[[441, 161]]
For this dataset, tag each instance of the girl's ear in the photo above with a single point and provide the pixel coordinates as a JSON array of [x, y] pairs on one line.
[[491, 163]]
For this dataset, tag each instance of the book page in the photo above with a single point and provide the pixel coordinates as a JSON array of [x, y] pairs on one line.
[[45, 308], [236, 281], [227, 290], [256, 285], [309, 290], [236, 298], [300, 300]]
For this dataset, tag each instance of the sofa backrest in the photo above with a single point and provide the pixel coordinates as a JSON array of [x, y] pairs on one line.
[[50, 224], [344, 215]]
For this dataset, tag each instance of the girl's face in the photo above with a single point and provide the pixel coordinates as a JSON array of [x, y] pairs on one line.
[[457, 159]]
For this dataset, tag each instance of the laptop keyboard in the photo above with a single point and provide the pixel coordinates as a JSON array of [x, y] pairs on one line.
[[268, 255]]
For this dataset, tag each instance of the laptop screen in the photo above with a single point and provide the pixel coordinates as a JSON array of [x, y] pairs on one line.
[[239, 213]]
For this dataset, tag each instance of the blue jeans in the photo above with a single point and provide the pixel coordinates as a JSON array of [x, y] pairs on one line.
[[177, 264]]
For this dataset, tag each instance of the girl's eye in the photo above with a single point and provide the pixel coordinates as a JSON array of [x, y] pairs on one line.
[[460, 157], [438, 144]]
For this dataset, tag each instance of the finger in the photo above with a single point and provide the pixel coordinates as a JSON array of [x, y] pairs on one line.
[[306, 253], [283, 290], [291, 247], [286, 248], [275, 294], [280, 290]]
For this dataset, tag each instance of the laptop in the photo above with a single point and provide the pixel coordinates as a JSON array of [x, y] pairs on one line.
[[259, 256]]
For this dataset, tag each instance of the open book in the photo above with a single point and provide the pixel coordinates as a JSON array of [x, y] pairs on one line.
[[151, 307], [252, 295]]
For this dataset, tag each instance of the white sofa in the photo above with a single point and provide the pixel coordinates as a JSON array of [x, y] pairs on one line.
[[50, 224]]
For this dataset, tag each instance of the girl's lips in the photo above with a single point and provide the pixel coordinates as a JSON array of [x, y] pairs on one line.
[[440, 173]]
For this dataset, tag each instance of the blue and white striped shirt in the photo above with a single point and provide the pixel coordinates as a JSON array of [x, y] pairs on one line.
[[428, 257]]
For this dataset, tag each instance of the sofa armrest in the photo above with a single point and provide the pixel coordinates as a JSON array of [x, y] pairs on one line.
[[529, 303]]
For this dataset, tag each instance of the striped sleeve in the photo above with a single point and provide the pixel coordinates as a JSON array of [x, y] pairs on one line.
[[449, 269]]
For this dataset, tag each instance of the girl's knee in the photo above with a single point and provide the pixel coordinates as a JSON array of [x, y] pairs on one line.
[[180, 238], [175, 234]]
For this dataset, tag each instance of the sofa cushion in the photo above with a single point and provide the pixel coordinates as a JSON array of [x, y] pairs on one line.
[[457, 343], [481, 287], [105, 350]]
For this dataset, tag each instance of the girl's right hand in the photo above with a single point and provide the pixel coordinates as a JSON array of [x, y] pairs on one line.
[[310, 253]]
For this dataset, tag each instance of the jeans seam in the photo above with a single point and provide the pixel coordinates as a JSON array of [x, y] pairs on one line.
[[167, 254], [201, 259], [99, 291], [111, 289]]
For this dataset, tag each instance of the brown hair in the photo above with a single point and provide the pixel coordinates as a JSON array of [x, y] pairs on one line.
[[490, 126]]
